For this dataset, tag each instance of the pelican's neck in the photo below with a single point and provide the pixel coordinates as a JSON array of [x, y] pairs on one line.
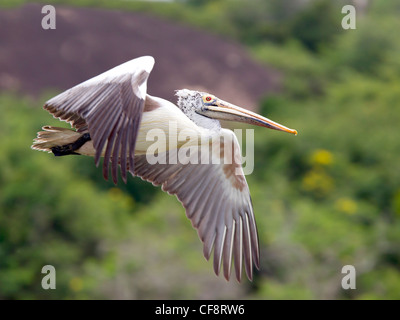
[[204, 122]]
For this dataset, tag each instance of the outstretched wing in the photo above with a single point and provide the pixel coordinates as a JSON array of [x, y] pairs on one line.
[[110, 107], [217, 201]]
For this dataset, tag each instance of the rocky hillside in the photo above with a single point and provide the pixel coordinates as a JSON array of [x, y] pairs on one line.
[[89, 41]]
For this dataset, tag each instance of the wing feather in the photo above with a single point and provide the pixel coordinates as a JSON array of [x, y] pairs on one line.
[[227, 258], [218, 203], [108, 106]]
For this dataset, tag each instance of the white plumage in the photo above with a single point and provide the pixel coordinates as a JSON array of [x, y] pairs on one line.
[[113, 114]]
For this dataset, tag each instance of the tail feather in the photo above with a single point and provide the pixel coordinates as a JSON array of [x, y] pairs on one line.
[[53, 137]]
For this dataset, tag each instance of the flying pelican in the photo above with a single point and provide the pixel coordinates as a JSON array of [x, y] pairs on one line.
[[111, 115]]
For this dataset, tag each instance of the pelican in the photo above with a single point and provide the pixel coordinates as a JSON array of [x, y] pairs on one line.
[[111, 115]]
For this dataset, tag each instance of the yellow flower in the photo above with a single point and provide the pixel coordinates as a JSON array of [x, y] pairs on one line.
[[115, 193], [346, 205], [119, 196], [321, 157], [396, 202], [76, 284], [318, 181]]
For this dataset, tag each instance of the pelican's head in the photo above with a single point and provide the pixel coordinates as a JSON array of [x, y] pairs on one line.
[[200, 107]]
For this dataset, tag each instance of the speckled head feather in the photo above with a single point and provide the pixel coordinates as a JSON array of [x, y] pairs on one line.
[[189, 101]]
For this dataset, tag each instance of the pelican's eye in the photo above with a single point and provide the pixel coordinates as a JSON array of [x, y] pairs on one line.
[[208, 99]]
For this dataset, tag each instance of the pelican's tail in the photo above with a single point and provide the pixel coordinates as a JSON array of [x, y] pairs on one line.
[[60, 141]]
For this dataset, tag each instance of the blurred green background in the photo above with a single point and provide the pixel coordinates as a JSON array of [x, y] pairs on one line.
[[324, 199]]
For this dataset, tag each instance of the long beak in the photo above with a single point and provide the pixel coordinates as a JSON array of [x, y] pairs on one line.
[[223, 110]]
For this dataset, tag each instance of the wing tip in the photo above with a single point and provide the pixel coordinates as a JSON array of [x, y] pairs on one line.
[[148, 62]]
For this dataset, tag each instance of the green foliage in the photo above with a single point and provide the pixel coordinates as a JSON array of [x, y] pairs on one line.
[[368, 49], [312, 28], [48, 213], [342, 171], [305, 76], [324, 199]]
